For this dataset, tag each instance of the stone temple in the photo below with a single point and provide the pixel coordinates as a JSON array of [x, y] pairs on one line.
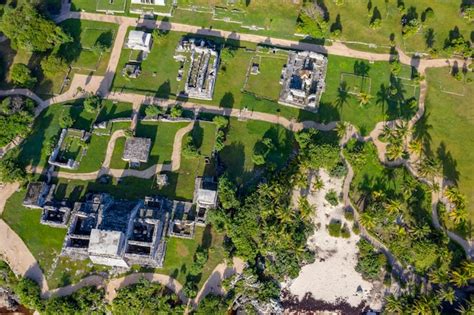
[[303, 80]]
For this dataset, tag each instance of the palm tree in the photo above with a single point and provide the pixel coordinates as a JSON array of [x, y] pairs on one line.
[[429, 168], [403, 131], [416, 147], [317, 184], [394, 305], [458, 215], [438, 276], [388, 133], [364, 98], [460, 278], [285, 215], [447, 294], [367, 220], [467, 309], [341, 128], [306, 209], [454, 196], [394, 206], [394, 151]]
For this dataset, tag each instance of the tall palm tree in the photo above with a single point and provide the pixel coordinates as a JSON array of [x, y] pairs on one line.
[[317, 184], [388, 133], [394, 305], [306, 209], [438, 276], [394, 151], [429, 168], [447, 294], [285, 215], [416, 147], [341, 128], [394, 206], [403, 131], [460, 278], [367, 220], [458, 215]]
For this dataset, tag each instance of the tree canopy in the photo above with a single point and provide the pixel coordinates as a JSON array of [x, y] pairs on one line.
[[25, 27]]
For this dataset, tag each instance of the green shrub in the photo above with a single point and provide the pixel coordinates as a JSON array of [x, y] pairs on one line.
[[349, 214], [345, 233], [332, 197], [21, 76], [334, 228], [176, 111], [355, 229]]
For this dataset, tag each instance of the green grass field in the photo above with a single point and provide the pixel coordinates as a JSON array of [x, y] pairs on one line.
[[159, 78], [354, 17], [115, 5], [86, 34], [26, 223], [162, 135], [241, 141], [448, 128]]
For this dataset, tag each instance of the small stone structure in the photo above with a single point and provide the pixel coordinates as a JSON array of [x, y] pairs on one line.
[[36, 195], [303, 80], [136, 151], [203, 56], [132, 70], [56, 160], [139, 40], [149, 2], [205, 197], [183, 223], [56, 214]]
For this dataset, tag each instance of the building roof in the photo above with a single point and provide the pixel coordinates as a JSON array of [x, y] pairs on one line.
[[107, 243], [206, 196], [139, 38], [137, 149]]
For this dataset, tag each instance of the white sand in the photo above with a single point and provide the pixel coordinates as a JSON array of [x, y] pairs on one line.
[[332, 276]]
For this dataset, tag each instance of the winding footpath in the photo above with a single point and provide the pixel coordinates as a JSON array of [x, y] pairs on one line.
[[23, 262]]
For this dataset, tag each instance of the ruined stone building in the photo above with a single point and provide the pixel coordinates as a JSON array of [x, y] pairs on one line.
[[203, 65], [205, 197], [303, 80]]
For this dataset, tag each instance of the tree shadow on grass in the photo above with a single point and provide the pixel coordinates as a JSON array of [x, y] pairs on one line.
[[227, 101], [164, 90], [206, 240], [198, 135], [449, 163]]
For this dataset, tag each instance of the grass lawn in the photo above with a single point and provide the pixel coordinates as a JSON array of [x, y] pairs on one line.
[[263, 84], [162, 135], [181, 183], [159, 78], [115, 5], [159, 70], [280, 23], [86, 34], [354, 17], [241, 141], [112, 110], [44, 242], [180, 254], [449, 126]]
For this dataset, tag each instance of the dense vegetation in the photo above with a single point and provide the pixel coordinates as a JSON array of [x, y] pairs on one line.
[[264, 227], [396, 208], [145, 298]]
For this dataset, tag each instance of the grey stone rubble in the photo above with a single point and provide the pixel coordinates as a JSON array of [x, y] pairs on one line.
[[136, 151]]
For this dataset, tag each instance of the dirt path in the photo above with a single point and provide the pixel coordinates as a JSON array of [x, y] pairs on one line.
[[5, 192], [177, 146], [213, 284], [116, 284]]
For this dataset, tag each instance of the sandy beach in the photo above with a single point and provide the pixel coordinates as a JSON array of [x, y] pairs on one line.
[[332, 276]]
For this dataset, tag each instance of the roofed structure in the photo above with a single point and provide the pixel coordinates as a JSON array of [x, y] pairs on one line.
[[136, 151], [205, 197], [139, 40], [107, 247]]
